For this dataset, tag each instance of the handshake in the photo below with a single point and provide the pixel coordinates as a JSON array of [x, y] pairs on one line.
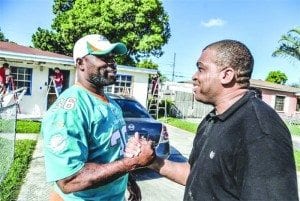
[[139, 151]]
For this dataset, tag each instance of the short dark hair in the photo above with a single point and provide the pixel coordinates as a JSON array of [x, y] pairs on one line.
[[56, 68], [234, 54], [5, 65]]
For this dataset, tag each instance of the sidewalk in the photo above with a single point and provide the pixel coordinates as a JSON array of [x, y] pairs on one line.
[[35, 187]]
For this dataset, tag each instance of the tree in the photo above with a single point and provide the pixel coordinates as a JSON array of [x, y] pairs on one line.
[[141, 24], [289, 45], [277, 77], [147, 64], [50, 41], [2, 37]]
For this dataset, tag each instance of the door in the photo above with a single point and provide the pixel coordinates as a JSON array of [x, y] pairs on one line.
[[51, 96]]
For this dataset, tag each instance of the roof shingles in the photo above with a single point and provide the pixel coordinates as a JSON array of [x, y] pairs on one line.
[[15, 48]]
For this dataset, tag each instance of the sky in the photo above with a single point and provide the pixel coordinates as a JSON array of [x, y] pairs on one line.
[[194, 24]]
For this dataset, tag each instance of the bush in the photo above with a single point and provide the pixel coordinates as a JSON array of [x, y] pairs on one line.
[[28, 126], [10, 187]]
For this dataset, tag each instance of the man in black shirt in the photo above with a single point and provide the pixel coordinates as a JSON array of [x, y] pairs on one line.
[[242, 150]]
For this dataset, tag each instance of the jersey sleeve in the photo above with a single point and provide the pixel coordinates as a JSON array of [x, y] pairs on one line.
[[65, 144], [267, 171]]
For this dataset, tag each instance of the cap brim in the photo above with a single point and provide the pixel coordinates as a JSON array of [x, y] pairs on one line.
[[116, 48]]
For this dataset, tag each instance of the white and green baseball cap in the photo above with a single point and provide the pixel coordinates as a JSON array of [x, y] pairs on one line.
[[96, 44]]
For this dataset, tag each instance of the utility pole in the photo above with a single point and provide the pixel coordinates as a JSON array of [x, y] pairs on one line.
[[173, 73]]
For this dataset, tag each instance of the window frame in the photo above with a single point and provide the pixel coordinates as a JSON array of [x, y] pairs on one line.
[[298, 104], [123, 85], [276, 106], [22, 75]]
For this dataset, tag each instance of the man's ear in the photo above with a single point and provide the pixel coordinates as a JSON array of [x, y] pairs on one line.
[[227, 75], [79, 64]]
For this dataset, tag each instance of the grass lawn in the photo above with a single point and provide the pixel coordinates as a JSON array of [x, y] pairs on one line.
[[294, 129], [181, 123], [28, 126], [10, 187], [297, 159]]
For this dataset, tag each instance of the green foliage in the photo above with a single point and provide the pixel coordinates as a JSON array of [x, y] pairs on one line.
[[277, 77], [141, 24], [48, 40], [289, 45], [182, 124], [147, 64], [62, 6], [10, 187], [28, 126], [2, 37]]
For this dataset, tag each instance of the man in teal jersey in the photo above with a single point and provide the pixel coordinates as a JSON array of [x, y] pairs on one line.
[[84, 131]]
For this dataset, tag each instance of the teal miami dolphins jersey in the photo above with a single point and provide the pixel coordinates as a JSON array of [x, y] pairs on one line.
[[80, 128]]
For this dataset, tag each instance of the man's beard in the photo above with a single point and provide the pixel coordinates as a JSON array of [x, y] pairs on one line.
[[101, 81]]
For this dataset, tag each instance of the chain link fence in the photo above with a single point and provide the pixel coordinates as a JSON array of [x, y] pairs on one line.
[[7, 138]]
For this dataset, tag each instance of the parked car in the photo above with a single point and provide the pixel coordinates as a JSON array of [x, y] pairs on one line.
[[139, 120]]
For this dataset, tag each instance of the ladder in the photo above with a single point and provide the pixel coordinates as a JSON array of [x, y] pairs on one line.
[[52, 87], [157, 102]]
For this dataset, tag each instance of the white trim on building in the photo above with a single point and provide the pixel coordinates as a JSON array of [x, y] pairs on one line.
[[35, 103]]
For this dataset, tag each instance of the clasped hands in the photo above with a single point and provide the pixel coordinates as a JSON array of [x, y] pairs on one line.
[[140, 149]]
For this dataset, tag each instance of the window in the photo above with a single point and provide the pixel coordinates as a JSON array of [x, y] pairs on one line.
[[22, 78], [298, 105], [122, 85], [279, 103]]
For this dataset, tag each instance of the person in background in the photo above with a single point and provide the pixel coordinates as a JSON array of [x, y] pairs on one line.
[[242, 149], [155, 85], [84, 132], [3, 77], [58, 79]]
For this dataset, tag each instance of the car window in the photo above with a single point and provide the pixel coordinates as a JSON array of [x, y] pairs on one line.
[[132, 109]]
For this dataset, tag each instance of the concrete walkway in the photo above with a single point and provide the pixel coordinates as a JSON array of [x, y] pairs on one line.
[[36, 189]]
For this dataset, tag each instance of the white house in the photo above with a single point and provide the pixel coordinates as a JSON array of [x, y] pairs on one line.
[[32, 68]]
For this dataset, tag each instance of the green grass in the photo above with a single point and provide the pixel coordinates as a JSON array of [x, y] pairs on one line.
[[10, 187], [294, 129], [180, 123], [28, 126], [297, 159]]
